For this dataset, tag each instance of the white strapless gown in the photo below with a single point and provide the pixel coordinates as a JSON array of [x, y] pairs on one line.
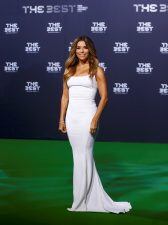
[[88, 192]]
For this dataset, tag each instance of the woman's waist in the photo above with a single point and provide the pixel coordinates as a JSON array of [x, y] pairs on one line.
[[81, 100], [82, 103]]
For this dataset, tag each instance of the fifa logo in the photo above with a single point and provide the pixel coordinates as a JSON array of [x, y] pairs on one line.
[[11, 28], [164, 48], [32, 86], [144, 68], [11, 67], [120, 88], [164, 89], [121, 47], [98, 27], [144, 27], [40, 9], [53, 67], [54, 27], [150, 8], [32, 47]]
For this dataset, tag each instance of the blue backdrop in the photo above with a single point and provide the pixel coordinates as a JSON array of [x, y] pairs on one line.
[[131, 39]]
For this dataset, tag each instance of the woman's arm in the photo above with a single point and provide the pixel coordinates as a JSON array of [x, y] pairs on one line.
[[102, 87], [64, 101]]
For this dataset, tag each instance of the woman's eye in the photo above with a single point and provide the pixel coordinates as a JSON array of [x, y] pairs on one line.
[[83, 47]]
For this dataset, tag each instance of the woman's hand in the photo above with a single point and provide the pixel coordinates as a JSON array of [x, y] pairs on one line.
[[93, 126], [62, 127]]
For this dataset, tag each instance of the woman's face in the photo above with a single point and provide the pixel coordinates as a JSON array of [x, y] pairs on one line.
[[82, 52]]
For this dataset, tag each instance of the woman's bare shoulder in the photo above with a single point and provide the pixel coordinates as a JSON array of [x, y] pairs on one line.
[[100, 73]]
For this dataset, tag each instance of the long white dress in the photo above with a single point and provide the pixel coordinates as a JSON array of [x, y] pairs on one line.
[[88, 192]]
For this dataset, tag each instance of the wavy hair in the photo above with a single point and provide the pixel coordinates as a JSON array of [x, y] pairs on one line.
[[72, 61]]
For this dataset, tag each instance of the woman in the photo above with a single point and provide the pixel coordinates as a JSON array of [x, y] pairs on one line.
[[79, 117]]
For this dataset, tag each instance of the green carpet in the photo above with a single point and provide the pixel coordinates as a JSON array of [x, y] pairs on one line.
[[36, 182]]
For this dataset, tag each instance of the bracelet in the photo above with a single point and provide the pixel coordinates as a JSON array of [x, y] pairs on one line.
[[61, 121]]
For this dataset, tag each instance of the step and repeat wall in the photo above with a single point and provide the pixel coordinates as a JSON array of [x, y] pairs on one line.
[[131, 38]]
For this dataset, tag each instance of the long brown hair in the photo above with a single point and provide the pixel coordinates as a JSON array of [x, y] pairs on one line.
[[72, 61]]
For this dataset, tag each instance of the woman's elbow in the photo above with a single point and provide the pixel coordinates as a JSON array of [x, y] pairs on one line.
[[105, 99]]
